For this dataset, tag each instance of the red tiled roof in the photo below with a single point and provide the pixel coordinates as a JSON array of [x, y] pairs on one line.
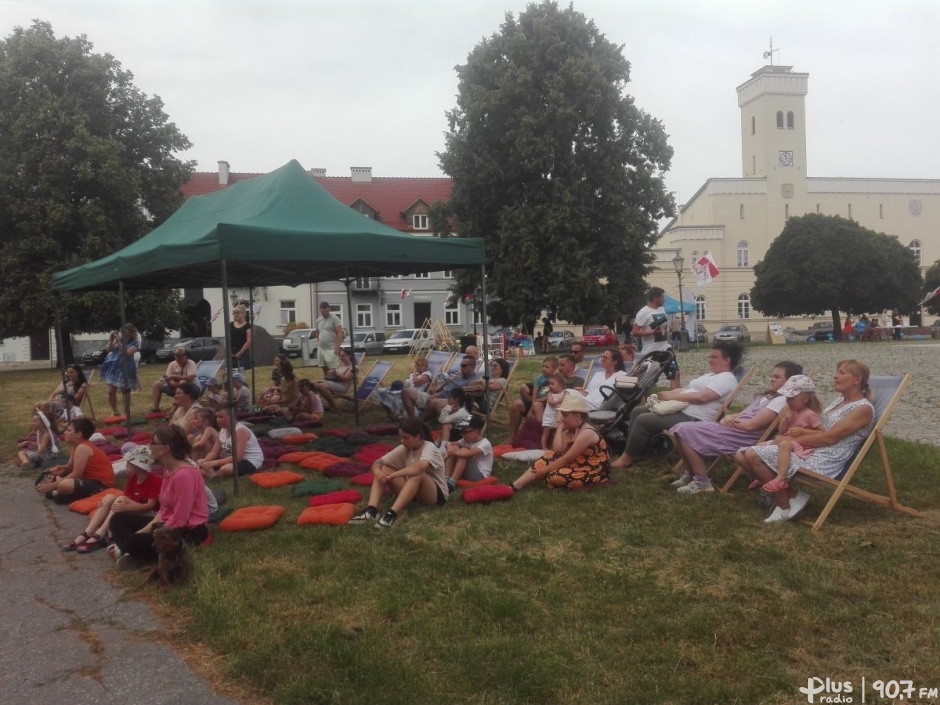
[[390, 196]]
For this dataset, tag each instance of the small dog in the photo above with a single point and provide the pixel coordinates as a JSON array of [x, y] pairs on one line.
[[173, 561]]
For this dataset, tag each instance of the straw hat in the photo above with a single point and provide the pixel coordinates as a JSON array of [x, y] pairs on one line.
[[574, 402]]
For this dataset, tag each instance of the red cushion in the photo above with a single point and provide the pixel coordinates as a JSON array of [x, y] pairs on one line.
[[296, 456], [276, 479], [467, 484], [113, 431], [363, 479], [327, 514], [90, 504], [383, 429], [154, 415], [492, 493], [119, 418], [141, 438], [343, 469], [340, 497], [299, 439], [251, 518]]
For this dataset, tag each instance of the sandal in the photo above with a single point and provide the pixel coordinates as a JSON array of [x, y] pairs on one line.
[[74, 545], [775, 486], [755, 484], [93, 543]]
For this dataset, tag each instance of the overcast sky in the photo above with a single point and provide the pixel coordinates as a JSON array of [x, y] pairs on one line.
[[355, 83]]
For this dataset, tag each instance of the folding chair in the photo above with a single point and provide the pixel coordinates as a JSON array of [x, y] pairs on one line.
[[887, 391], [359, 357], [584, 371], [438, 360], [738, 470], [501, 397], [206, 370]]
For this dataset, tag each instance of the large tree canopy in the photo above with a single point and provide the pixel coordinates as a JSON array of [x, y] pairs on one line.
[[825, 262], [556, 168], [87, 166], [931, 282]]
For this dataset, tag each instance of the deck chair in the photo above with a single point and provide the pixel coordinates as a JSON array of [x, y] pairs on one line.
[[738, 470], [887, 391], [501, 398], [206, 370], [584, 371], [360, 356], [593, 359], [368, 385], [743, 377], [91, 405], [438, 360]]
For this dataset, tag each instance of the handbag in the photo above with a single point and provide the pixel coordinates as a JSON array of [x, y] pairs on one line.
[[665, 408]]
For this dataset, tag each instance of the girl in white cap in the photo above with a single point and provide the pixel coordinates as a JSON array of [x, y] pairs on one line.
[[143, 489], [802, 411]]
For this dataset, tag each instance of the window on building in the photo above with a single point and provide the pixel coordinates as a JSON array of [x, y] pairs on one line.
[[361, 283], [743, 252], [337, 310], [423, 275], [741, 211], [700, 308], [744, 306], [753, 125], [363, 315], [419, 221], [790, 120], [452, 315], [881, 210], [779, 119], [393, 315], [917, 249], [477, 317], [288, 312], [818, 208], [448, 274], [786, 211]]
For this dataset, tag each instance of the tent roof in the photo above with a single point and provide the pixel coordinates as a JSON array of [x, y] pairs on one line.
[[671, 305], [280, 228]]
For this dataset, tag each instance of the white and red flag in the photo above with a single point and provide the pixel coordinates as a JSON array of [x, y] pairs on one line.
[[405, 293], [705, 269], [930, 295]]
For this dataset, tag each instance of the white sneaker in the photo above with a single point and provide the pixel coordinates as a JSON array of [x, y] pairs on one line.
[[696, 486], [682, 481], [798, 503], [777, 516]]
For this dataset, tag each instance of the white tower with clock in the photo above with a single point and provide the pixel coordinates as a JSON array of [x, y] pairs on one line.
[[773, 124]]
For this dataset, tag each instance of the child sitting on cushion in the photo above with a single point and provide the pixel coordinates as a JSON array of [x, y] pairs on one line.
[[309, 406], [471, 457]]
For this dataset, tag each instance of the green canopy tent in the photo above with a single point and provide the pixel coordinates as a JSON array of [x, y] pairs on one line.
[[281, 228]]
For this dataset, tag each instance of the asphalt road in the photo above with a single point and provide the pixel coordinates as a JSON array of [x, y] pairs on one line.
[[66, 634]]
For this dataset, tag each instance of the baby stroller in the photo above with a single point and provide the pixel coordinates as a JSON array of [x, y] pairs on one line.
[[613, 418]]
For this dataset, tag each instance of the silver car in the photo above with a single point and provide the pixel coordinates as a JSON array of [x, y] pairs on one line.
[[735, 332], [367, 341], [293, 342]]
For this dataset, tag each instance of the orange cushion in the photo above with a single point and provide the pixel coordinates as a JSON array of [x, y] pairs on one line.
[[296, 456], [320, 461], [251, 518], [90, 504], [120, 418], [278, 478], [467, 484], [299, 439], [499, 451], [332, 514]]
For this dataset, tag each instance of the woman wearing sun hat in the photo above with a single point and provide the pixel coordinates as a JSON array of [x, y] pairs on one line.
[[578, 456], [143, 490]]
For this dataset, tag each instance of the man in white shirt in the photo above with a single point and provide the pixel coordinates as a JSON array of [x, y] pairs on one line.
[[182, 369], [652, 329], [330, 335]]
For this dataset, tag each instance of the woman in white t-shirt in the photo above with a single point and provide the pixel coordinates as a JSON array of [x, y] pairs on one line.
[[412, 471], [704, 395], [218, 461]]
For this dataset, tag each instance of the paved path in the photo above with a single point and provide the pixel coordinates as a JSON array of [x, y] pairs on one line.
[[66, 634]]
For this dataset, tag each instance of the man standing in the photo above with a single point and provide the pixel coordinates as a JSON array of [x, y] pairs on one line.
[[652, 324], [330, 335], [547, 330]]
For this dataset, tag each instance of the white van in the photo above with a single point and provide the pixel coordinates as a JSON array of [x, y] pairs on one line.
[[407, 340]]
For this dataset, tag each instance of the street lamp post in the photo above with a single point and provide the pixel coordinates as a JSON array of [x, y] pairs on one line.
[[679, 263]]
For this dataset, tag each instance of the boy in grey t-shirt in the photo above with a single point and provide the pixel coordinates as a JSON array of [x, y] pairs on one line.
[[470, 458]]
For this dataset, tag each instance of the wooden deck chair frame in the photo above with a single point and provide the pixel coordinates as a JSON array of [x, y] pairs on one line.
[[583, 370], [502, 397], [887, 391], [726, 404], [206, 370], [738, 470], [91, 404]]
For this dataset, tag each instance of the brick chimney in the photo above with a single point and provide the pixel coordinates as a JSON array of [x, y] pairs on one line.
[[223, 173], [317, 173]]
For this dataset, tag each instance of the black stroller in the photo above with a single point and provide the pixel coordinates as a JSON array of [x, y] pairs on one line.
[[620, 400]]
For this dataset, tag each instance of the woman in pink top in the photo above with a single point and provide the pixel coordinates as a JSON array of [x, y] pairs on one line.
[[182, 500]]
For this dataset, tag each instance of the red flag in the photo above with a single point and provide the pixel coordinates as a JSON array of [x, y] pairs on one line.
[[705, 269]]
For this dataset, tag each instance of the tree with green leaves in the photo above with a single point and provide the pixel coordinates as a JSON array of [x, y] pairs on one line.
[[825, 262], [87, 166], [931, 283], [557, 169]]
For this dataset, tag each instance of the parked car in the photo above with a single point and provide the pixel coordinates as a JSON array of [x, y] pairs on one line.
[[293, 342], [94, 357], [601, 336], [701, 334], [367, 341], [408, 339], [819, 331], [736, 332], [562, 340], [198, 349]]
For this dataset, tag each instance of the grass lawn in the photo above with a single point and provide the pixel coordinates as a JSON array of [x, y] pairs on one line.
[[629, 593]]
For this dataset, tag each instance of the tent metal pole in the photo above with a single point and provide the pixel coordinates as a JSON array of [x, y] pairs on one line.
[[59, 347], [352, 348], [125, 362], [486, 348], [250, 317], [226, 318]]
